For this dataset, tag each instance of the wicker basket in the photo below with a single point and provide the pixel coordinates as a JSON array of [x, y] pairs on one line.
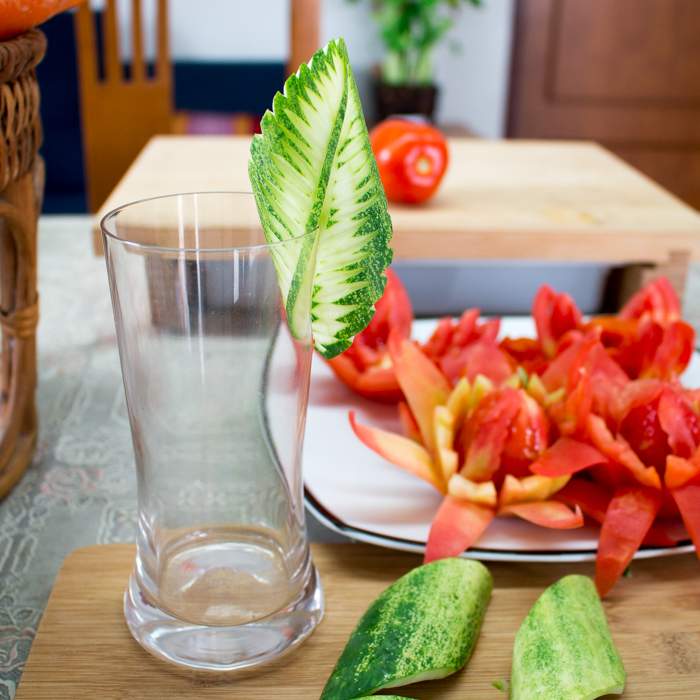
[[20, 123], [21, 187]]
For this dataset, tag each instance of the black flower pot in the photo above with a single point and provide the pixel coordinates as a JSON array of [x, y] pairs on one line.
[[405, 99]]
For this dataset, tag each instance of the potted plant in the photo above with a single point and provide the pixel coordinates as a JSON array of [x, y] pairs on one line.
[[410, 31]]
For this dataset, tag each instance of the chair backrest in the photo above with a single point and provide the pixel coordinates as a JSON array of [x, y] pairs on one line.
[[120, 110], [305, 30], [119, 114]]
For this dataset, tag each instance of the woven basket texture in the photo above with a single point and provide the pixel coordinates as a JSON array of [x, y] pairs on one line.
[[20, 122]]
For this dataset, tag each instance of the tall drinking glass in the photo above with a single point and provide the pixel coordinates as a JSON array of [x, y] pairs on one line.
[[216, 388]]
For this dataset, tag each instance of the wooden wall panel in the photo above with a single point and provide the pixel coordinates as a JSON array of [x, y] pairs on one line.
[[612, 53], [625, 73]]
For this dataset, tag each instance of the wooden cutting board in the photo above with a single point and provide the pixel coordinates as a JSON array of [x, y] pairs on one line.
[[510, 199], [84, 650]]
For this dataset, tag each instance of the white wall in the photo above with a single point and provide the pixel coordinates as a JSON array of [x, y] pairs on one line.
[[473, 78], [229, 30]]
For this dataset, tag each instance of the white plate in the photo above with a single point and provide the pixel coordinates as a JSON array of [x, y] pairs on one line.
[[357, 493]]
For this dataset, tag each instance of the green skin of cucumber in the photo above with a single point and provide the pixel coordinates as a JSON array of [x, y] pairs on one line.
[[564, 648], [312, 169], [422, 627]]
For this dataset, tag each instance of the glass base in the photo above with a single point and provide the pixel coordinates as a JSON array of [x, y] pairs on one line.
[[223, 648]]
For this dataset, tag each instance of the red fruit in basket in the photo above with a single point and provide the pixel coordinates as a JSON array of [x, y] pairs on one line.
[[411, 157], [18, 16]]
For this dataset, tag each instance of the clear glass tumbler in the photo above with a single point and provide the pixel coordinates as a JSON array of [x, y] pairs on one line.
[[217, 389]]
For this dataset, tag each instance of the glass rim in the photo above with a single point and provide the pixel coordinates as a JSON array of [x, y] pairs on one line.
[[150, 246]]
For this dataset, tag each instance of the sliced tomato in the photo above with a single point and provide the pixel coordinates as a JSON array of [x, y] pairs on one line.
[[554, 314], [680, 471], [365, 367], [527, 439], [467, 329], [529, 489], [526, 353], [480, 357], [467, 348], [567, 456], [457, 525], [628, 518], [556, 376], [401, 451], [673, 353], [618, 450], [483, 492], [679, 422], [422, 383], [665, 425], [393, 311], [375, 384], [438, 343], [593, 499], [571, 413], [552, 514], [638, 392], [608, 381], [688, 499], [483, 436], [657, 299], [409, 427]]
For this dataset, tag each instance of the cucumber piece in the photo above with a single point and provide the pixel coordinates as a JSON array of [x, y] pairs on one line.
[[312, 168], [564, 648], [422, 627]]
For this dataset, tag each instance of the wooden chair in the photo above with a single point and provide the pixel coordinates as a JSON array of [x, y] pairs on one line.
[[119, 115], [305, 21]]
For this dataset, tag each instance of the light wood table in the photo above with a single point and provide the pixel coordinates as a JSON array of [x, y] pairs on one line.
[[537, 200]]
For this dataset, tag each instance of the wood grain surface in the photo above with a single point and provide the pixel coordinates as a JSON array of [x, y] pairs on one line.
[[84, 650], [545, 200]]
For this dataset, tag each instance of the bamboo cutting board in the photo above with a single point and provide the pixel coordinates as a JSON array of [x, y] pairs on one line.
[[83, 649]]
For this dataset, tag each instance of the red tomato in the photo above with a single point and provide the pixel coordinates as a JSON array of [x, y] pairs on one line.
[[412, 158]]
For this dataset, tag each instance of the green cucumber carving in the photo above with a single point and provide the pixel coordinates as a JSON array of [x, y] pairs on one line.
[[312, 168]]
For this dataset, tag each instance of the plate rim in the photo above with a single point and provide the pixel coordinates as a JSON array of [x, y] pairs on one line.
[[336, 524]]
